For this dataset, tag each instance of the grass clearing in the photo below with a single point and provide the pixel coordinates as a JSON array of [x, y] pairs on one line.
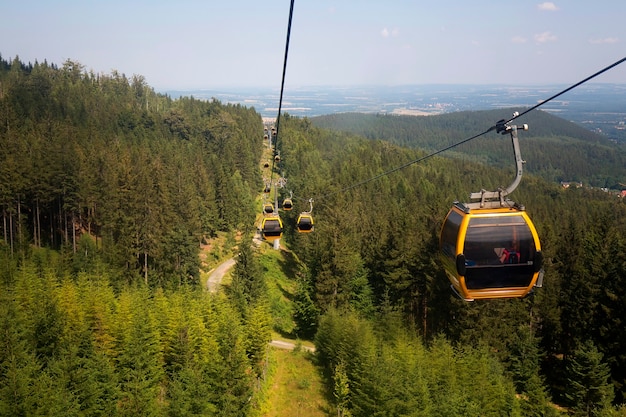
[[278, 267], [295, 387]]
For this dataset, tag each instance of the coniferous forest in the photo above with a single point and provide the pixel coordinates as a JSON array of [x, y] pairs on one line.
[[108, 190]]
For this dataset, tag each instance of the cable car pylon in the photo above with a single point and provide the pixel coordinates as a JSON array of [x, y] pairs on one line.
[[489, 247]]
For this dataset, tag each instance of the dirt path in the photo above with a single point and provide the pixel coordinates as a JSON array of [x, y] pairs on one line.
[[215, 277], [213, 284], [281, 344]]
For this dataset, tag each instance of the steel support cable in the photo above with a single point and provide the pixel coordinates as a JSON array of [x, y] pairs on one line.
[[605, 69], [447, 148], [282, 88]]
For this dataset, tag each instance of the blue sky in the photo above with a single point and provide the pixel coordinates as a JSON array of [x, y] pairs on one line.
[[211, 44]]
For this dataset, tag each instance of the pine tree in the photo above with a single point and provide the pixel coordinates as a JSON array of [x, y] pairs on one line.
[[248, 281], [19, 368], [524, 366], [234, 386], [139, 359], [590, 392], [306, 314], [341, 390]]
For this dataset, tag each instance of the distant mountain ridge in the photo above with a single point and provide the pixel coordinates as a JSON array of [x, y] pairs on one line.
[[599, 107], [555, 148]]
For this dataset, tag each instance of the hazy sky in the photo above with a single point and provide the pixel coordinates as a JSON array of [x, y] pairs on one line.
[[187, 44]]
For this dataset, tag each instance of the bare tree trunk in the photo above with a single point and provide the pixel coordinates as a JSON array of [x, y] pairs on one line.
[[11, 232], [145, 267], [73, 233], [51, 223], [425, 315], [4, 223], [65, 226], [19, 220], [37, 225]]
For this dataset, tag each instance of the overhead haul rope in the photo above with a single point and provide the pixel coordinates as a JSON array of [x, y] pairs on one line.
[[495, 127], [282, 87]]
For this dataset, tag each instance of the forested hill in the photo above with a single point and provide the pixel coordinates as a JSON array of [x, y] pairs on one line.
[[374, 252], [556, 149], [104, 155]]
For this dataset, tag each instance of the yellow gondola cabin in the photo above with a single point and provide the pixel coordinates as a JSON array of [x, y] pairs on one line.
[[305, 223], [268, 208], [271, 228], [490, 253]]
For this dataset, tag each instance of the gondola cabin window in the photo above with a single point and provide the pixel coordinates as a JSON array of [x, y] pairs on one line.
[[498, 240], [450, 234], [504, 242]]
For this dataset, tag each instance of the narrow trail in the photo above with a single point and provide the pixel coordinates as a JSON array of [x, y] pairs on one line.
[[216, 276], [213, 283], [281, 344]]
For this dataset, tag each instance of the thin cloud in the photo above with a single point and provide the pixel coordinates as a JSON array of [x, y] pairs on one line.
[[518, 39], [547, 6], [603, 41], [385, 33], [545, 37]]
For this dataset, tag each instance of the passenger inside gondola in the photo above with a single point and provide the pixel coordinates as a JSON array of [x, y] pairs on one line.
[[507, 256]]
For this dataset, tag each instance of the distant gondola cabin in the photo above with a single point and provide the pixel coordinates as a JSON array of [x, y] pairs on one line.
[[287, 204], [271, 228], [490, 253], [305, 223], [268, 208]]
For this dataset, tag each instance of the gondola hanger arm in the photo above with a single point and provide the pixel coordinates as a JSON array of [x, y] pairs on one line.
[[490, 199]]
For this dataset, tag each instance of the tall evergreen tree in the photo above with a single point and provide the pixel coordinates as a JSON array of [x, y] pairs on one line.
[[590, 391], [19, 368], [139, 359]]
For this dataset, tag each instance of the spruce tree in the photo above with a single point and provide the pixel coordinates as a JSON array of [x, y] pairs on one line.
[[590, 391]]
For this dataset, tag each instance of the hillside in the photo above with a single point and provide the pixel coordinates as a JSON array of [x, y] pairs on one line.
[[554, 148], [375, 246], [109, 192]]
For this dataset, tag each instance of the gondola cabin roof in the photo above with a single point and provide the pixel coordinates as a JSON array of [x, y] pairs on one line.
[[490, 253], [305, 223], [271, 228]]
